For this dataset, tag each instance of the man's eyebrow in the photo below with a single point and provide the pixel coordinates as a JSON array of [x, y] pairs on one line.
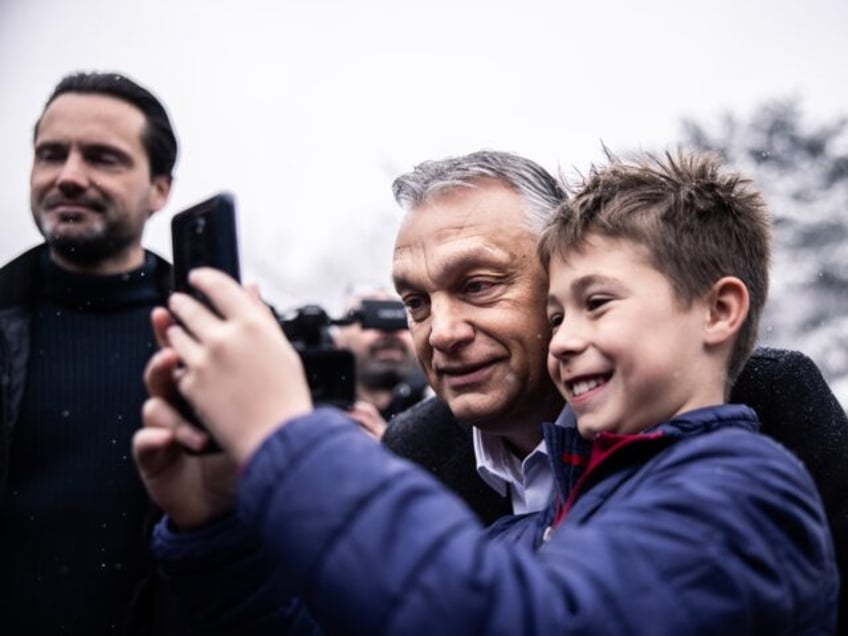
[[456, 264], [108, 149], [87, 148], [50, 145]]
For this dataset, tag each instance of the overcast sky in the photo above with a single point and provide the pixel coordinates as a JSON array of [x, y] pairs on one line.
[[307, 109]]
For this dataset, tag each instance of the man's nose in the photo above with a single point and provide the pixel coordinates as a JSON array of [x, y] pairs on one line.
[[449, 324], [73, 175]]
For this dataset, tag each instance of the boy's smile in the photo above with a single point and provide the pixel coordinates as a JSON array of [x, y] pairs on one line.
[[626, 352]]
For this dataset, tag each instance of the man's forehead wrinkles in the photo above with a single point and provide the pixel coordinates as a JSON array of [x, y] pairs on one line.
[[447, 263]]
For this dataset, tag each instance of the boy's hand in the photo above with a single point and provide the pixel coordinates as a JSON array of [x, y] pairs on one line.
[[238, 371], [191, 489]]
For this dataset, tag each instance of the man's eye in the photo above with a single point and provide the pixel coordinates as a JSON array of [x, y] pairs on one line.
[[105, 158], [478, 286], [416, 307], [50, 154]]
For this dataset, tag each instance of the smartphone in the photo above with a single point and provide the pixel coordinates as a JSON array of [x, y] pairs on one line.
[[203, 235]]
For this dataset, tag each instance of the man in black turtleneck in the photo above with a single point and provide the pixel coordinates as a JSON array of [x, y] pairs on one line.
[[74, 338]]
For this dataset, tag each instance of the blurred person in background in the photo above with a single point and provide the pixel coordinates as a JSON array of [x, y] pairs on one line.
[[388, 377]]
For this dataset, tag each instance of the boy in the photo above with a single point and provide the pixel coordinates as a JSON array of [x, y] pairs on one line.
[[672, 515]]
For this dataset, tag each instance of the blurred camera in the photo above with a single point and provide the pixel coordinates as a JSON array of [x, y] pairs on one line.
[[331, 372]]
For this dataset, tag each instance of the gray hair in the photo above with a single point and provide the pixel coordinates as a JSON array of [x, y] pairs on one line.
[[541, 192]]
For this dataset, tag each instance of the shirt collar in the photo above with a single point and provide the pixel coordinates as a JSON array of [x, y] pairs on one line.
[[497, 466]]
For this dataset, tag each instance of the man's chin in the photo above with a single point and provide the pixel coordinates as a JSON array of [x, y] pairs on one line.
[[473, 408]]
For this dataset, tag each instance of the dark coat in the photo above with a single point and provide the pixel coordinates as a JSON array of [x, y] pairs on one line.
[[20, 282], [785, 388]]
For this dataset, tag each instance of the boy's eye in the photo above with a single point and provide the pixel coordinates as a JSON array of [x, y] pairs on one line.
[[596, 302]]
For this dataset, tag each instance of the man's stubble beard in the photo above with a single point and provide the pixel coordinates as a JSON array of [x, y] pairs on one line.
[[90, 247], [386, 375]]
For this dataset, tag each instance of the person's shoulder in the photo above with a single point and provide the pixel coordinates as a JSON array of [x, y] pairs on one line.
[[785, 388], [18, 277], [27, 259], [430, 410], [732, 461], [765, 363], [425, 427]]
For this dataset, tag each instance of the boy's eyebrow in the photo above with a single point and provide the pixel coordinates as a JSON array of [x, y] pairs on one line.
[[579, 286]]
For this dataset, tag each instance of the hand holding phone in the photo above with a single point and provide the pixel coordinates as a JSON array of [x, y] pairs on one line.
[[204, 235]]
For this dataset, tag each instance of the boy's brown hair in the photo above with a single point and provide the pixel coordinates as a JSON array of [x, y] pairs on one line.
[[697, 221]]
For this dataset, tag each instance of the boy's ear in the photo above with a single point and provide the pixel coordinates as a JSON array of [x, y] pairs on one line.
[[728, 303]]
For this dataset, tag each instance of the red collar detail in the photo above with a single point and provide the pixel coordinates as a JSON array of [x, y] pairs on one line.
[[604, 446]]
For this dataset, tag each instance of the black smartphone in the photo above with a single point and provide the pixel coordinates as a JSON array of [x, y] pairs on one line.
[[204, 235]]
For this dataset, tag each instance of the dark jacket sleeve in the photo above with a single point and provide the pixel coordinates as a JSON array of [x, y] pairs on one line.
[[797, 408], [429, 435], [223, 581]]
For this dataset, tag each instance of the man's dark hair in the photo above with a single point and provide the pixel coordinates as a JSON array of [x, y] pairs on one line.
[[158, 137]]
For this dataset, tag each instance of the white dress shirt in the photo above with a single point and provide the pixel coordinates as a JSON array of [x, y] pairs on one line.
[[529, 482]]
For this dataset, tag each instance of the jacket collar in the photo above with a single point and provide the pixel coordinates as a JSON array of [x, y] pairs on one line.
[[20, 278], [572, 456]]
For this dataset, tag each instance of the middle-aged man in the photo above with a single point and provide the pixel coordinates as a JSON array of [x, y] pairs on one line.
[[75, 335], [475, 293]]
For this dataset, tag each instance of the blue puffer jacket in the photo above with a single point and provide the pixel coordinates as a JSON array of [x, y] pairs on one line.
[[698, 526]]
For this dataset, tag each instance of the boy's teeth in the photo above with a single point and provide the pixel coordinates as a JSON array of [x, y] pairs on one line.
[[581, 386]]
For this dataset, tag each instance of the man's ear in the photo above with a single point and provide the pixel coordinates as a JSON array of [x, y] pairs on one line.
[[727, 307], [161, 190]]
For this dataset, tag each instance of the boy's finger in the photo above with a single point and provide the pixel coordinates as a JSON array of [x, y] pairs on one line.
[[152, 450], [229, 297], [159, 373], [184, 345], [161, 319], [193, 315]]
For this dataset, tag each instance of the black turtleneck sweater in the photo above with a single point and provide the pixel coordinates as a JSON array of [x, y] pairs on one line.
[[72, 520]]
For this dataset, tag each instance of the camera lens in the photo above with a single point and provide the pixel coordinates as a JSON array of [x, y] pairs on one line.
[[199, 225]]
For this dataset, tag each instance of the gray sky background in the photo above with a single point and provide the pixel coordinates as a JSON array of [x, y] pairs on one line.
[[307, 109]]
